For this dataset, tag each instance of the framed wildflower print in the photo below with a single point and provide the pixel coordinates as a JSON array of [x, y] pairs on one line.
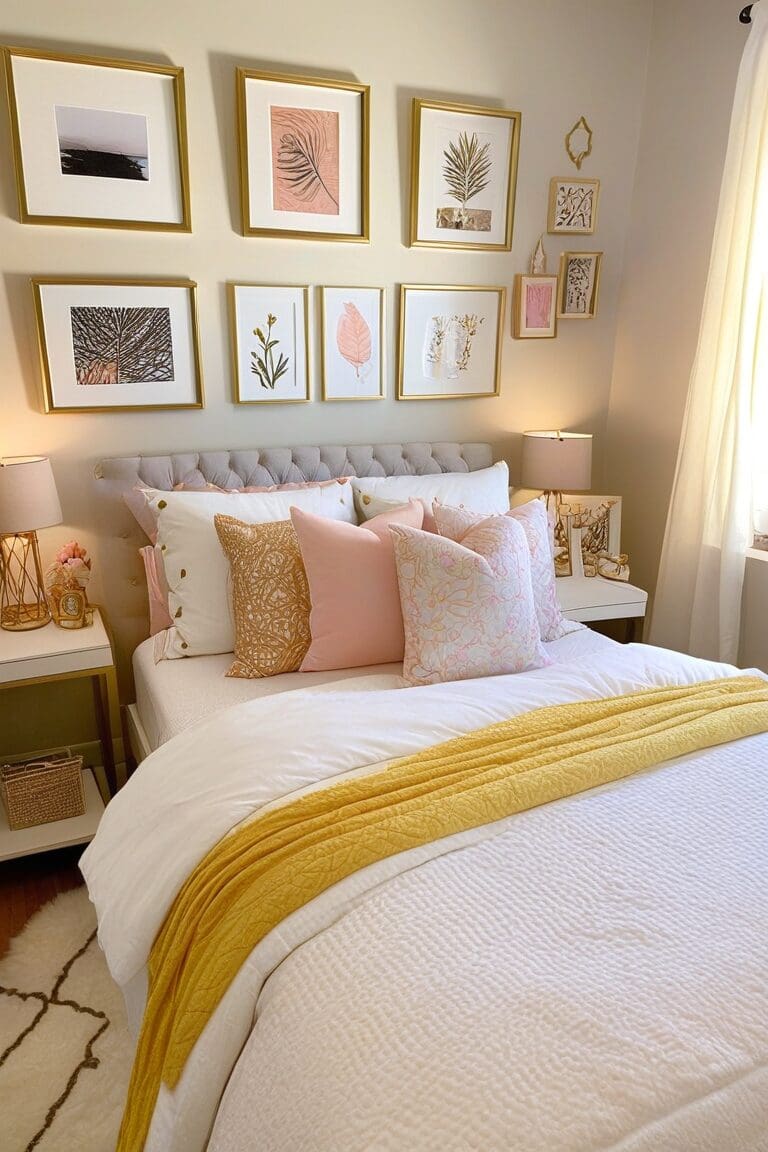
[[572, 206], [270, 340], [579, 283], [463, 175], [449, 344], [352, 343], [98, 143], [118, 345], [304, 156], [534, 307]]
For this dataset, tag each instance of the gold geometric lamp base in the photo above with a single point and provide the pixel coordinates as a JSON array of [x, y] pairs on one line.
[[22, 597]]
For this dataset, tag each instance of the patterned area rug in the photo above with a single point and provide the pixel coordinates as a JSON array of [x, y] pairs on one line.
[[65, 1049]]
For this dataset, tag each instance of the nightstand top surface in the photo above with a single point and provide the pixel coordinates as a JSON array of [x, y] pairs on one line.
[[52, 651]]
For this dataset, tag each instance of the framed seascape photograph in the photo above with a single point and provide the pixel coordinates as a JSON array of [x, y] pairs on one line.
[[534, 307], [572, 206], [270, 341], [449, 343], [352, 343], [304, 156], [463, 175], [118, 345], [579, 283], [98, 143]]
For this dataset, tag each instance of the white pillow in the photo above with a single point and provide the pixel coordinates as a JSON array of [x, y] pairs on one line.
[[486, 490], [196, 566]]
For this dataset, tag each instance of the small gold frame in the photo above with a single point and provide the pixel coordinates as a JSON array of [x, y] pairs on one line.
[[242, 76], [554, 184], [232, 287], [501, 312], [177, 74], [38, 282], [517, 302], [590, 315], [352, 288], [578, 158], [471, 110]]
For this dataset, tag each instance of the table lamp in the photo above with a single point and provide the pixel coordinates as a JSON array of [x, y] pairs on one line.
[[28, 501], [557, 462]]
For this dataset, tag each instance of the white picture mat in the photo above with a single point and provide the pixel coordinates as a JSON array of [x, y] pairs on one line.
[[340, 380], [56, 302], [42, 84], [252, 304], [438, 126], [419, 306], [260, 96]]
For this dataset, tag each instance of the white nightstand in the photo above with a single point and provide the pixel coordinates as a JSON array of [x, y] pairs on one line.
[[588, 598], [48, 654]]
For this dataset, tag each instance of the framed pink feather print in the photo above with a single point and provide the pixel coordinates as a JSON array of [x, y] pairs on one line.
[[352, 343]]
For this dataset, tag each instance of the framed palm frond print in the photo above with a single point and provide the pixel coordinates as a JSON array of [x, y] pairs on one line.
[[579, 284], [304, 156], [572, 206], [352, 343], [463, 175], [270, 342], [98, 143], [118, 345]]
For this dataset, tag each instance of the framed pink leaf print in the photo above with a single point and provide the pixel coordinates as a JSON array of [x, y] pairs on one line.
[[534, 307], [352, 323]]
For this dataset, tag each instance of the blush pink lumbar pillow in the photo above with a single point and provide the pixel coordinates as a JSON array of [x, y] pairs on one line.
[[468, 608], [355, 617]]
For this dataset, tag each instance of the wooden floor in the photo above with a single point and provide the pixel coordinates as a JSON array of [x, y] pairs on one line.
[[31, 881]]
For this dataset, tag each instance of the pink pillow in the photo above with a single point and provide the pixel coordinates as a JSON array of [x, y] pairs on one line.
[[355, 617], [456, 522], [157, 589], [468, 608]]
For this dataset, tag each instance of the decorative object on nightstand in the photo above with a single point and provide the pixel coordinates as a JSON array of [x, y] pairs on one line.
[[28, 501], [554, 462], [42, 789], [594, 530], [66, 582]]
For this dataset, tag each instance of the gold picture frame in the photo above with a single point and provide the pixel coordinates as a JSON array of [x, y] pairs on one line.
[[522, 331], [27, 215], [380, 394], [233, 290], [249, 228], [574, 213], [51, 387], [493, 361], [569, 295], [470, 113]]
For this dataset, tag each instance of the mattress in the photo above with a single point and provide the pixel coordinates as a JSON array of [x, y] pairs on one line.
[[173, 694]]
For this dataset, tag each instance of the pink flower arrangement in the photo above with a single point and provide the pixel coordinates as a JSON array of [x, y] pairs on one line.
[[71, 566]]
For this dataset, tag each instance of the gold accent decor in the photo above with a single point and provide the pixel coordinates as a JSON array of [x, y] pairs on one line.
[[41, 790], [578, 150], [552, 226], [590, 314], [22, 598]]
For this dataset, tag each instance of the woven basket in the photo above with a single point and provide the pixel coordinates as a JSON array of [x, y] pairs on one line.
[[39, 791]]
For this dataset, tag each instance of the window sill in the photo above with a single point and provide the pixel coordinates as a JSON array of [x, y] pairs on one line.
[[757, 554]]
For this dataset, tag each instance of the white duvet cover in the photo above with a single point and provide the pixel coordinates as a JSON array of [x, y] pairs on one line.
[[589, 975]]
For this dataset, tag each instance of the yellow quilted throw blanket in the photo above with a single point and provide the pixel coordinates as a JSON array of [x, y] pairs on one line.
[[275, 863]]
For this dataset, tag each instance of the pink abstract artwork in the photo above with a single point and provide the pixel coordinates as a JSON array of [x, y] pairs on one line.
[[305, 160], [538, 305]]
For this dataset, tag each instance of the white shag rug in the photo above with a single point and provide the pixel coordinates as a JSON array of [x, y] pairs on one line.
[[65, 1048]]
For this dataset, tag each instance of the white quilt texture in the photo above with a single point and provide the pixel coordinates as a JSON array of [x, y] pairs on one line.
[[590, 975]]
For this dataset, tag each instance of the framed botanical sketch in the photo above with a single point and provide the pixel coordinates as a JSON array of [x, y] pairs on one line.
[[270, 341], [449, 343], [304, 156], [534, 307], [573, 206], [352, 343], [463, 175], [579, 282], [118, 345], [98, 143]]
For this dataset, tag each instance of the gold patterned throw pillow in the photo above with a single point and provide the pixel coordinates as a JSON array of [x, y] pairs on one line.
[[270, 596]]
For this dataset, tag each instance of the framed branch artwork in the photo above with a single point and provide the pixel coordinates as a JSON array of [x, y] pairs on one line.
[[270, 342], [534, 307], [572, 206], [352, 343], [304, 156], [118, 345], [98, 143], [449, 344], [463, 176], [579, 283]]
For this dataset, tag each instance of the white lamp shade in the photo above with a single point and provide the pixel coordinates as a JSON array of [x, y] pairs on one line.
[[557, 461], [28, 496]]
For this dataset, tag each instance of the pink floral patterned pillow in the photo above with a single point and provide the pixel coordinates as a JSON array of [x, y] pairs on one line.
[[468, 608], [456, 522]]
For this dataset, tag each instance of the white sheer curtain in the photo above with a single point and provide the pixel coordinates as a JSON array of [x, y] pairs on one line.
[[724, 444]]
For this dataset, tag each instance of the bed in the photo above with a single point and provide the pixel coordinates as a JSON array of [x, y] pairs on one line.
[[585, 974]]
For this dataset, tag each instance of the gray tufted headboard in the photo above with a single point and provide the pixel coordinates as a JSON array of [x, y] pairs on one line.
[[124, 594]]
